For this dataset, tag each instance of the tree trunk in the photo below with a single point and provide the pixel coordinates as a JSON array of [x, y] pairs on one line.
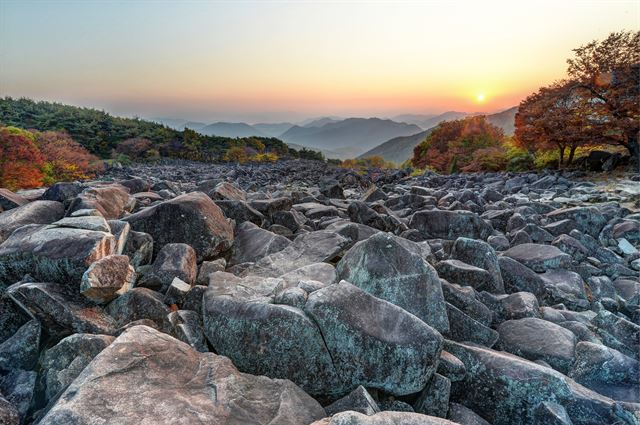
[[572, 152], [561, 159]]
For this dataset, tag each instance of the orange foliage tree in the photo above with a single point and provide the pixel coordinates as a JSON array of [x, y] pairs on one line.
[[452, 145], [20, 160], [65, 159]]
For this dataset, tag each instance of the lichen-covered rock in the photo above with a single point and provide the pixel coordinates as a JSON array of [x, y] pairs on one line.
[[21, 350], [37, 212], [518, 277], [61, 310], [458, 272], [450, 224], [187, 327], [8, 413], [107, 278], [306, 249], [253, 243], [383, 418], [62, 363], [18, 387], [465, 328], [137, 304], [588, 219], [505, 390], [539, 258], [145, 376], [465, 416], [279, 341], [358, 400], [434, 398], [537, 339], [607, 371], [383, 267], [193, 219], [112, 201], [373, 342], [52, 253], [173, 260], [139, 248], [480, 254]]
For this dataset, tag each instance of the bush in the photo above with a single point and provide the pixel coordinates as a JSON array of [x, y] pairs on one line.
[[20, 160], [265, 157], [236, 154], [65, 159]]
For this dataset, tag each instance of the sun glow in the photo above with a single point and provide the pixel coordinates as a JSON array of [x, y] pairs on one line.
[[480, 97]]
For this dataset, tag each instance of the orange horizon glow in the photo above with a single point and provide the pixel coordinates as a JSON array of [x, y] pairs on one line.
[[270, 61]]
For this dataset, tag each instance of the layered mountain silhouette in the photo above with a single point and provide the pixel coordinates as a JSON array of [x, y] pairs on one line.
[[399, 149]]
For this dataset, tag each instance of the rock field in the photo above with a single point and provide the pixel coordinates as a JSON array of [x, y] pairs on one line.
[[298, 293]]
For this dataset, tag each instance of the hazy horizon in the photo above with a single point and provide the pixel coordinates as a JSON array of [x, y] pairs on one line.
[[267, 61]]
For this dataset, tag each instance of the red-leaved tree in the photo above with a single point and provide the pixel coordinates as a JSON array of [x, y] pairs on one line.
[[20, 160]]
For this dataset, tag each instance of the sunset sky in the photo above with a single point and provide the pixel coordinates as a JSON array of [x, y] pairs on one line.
[[270, 61]]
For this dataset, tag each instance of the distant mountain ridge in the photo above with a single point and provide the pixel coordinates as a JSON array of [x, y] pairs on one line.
[[399, 149], [348, 137]]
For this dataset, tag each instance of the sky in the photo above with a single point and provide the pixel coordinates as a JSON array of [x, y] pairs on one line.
[[270, 61]]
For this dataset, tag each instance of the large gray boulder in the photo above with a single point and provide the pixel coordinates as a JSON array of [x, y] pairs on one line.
[[37, 212], [62, 363], [373, 342], [539, 258], [306, 249], [606, 371], [505, 390], [537, 339], [444, 224], [383, 267], [60, 309], [193, 219], [588, 219], [480, 254], [253, 243], [383, 418], [173, 260], [111, 201], [20, 351], [147, 377], [50, 253]]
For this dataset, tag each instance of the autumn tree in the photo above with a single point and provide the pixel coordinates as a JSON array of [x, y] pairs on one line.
[[561, 116], [20, 160], [236, 154], [135, 148], [65, 159], [451, 145], [609, 71]]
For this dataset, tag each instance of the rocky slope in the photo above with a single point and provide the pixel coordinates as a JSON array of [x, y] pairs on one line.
[[297, 293]]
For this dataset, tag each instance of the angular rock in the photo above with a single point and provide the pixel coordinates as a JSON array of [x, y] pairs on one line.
[[61, 310], [377, 345], [357, 400], [36, 212], [479, 254], [137, 304], [458, 272], [253, 243], [204, 388], [186, 326], [107, 278], [62, 363], [139, 248], [450, 224], [434, 398], [112, 201], [537, 339], [539, 258], [383, 418], [52, 253], [173, 260], [192, 219], [10, 200], [383, 267], [21, 350]]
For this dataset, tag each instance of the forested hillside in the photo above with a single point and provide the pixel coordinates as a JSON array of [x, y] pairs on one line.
[[101, 133]]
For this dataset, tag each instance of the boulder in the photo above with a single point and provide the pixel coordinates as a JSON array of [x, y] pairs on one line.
[[21, 350], [479, 254], [193, 219], [518, 277], [465, 416], [52, 253], [539, 258], [537, 339], [228, 191], [377, 345], [383, 418], [112, 201], [145, 376], [62, 363], [357, 400], [383, 267], [173, 260], [36, 212], [505, 390], [464, 274], [138, 304], [306, 249], [10, 200], [18, 386], [240, 211], [607, 371], [60, 309], [588, 219], [450, 224], [107, 278], [252, 243]]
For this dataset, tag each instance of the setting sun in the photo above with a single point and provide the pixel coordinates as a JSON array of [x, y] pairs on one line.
[[480, 97]]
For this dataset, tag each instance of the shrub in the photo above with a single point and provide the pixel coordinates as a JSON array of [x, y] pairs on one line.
[[236, 154], [20, 160], [65, 159]]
